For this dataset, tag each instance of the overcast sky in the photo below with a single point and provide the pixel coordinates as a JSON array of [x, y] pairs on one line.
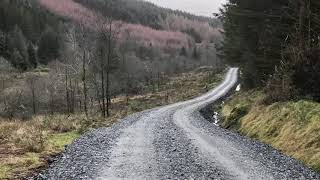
[[198, 7]]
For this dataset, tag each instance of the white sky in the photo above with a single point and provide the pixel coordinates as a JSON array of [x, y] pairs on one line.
[[198, 7]]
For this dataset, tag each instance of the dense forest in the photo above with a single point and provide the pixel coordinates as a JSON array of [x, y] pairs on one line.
[[147, 14], [276, 43], [25, 26], [140, 12]]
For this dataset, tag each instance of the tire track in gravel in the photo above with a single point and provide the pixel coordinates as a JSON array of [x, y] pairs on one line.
[[133, 156]]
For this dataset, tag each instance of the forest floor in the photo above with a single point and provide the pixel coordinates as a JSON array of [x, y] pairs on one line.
[[27, 146], [292, 127]]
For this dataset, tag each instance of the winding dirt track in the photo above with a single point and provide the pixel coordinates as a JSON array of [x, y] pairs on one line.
[[174, 142]]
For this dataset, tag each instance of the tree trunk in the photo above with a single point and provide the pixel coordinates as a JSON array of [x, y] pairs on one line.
[[51, 102], [108, 94], [72, 104], [33, 100], [301, 24], [67, 92], [102, 87], [309, 33], [158, 79], [84, 84], [108, 68], [127, 89], [3, 84]]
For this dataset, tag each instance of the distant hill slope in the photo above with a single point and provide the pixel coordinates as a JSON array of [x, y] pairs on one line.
[[147, 14], [140, 12], [22, 24], [147, 23], [27, 25], [143, 34]]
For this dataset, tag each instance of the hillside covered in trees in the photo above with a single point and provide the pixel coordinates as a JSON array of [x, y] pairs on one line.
[[140, 12], [33, 32], [83, 52], [25, 27], [277, 45]]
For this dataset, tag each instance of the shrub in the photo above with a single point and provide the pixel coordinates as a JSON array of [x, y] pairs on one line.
[[6, 129], [62, 123], [32, 138], [233, 120], [280, 86]]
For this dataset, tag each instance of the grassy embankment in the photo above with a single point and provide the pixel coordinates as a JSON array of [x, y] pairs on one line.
[[26, 145], [291, 127]]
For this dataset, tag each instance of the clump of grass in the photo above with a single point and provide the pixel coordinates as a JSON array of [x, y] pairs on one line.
[[27, 135], [31, 138], [31, 160], [63, 123], [6, 129], [57, 142], [5, 171], [233, 120], [292, 127], [19, 166], [136, 106], [27, 143]]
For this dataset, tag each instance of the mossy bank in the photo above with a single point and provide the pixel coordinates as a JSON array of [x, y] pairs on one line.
[[292, 127]]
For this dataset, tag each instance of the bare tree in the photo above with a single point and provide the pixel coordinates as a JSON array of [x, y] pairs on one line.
[[31, 81], [12, 101], [124, 48], [108, 35], [67, 90], [84, 83], [76, 63], [83, 45]]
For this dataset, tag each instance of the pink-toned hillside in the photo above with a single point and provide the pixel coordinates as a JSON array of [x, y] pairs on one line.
[[147, 35], [180, 23], [142, 34]]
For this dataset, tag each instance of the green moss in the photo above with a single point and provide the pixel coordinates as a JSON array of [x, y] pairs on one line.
[[31, 160], [22, 164], [58, 141], [5, 171], [232, 121], [136, 106]]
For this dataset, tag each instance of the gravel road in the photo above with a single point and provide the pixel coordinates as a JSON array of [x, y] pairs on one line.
[[173, 142]]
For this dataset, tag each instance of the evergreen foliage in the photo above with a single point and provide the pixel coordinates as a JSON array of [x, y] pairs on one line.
[[264, 36], [49, 46], [22, 24]]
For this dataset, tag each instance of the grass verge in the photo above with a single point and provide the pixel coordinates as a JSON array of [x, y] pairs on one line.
[[292, 127]]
